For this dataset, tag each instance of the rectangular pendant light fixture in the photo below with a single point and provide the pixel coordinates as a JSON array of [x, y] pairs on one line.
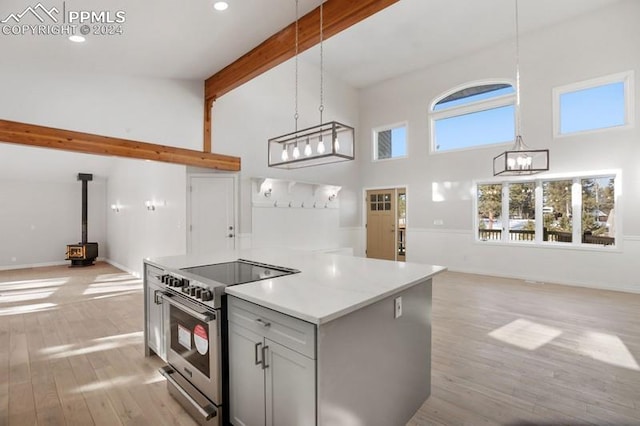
[[326, 143], [521, 162]]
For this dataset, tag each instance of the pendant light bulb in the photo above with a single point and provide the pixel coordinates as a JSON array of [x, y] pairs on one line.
[[321, 147], [336, 144], [296, 152], [285, 153], [307, 149]]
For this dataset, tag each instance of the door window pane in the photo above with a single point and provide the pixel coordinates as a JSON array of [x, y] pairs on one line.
[[489, 212], [557, 211], [522, 214], [598, 197]]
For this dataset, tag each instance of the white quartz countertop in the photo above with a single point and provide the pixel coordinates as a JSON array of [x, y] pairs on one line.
[[327, 287]]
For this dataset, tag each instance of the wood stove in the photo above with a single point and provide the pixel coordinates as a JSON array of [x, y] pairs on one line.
[[84, 253]]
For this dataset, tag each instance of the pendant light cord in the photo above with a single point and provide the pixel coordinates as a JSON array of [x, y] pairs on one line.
[[518, 119], [321, 108], [296, 115]]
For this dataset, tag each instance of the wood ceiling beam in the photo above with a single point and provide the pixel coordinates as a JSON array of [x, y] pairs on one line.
[[338, 15], [67, 140]]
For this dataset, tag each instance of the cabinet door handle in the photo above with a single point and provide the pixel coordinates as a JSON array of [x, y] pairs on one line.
[[263, 322], [258, 362], [264, 357]]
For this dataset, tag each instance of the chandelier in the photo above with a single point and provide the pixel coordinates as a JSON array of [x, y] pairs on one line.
[[520, 159], [329, 142]]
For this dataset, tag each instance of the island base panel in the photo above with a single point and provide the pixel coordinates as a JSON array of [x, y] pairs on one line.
[[373, 368]]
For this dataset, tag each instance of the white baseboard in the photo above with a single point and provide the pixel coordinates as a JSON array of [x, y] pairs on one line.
[[34, 265], [542, 280], [122, 267]]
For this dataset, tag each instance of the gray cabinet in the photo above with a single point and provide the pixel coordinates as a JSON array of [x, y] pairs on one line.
[[290, 383], [155, 313], [246, 377], [272, 367]]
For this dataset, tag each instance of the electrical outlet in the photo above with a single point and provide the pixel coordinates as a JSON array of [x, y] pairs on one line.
[[438, 222], [397, 304]]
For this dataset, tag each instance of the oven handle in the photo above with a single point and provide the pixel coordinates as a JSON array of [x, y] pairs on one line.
[[202, 317]]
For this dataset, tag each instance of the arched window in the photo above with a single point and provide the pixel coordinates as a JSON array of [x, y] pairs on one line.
[[473, 115]]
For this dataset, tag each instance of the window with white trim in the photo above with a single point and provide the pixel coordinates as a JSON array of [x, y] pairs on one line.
[[597, 104], [472, 116], [570, 211], [390, 142]]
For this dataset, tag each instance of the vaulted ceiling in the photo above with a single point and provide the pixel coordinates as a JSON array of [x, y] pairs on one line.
[[190, 40]]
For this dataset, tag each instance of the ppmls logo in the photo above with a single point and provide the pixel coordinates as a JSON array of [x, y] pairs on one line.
[[39, 11], [40, 20]]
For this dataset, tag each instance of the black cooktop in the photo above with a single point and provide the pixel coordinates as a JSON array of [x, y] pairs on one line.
[[240, 271]]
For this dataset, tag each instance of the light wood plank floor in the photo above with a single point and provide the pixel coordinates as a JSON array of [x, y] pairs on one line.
[[504, 352], [508, 352], [71, 351]]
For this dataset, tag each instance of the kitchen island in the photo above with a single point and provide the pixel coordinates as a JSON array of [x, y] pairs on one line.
[[345, 341]]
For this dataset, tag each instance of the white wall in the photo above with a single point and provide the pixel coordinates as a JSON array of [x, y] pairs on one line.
[[159, 111], [244, 119], [39, 217], [593, 45], [135, 232]]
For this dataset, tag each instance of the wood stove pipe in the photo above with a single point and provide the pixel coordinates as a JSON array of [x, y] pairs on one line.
[[85, 177]]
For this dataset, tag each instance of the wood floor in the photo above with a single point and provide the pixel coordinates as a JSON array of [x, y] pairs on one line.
[[512, 353], [71, 351], [504, 352]]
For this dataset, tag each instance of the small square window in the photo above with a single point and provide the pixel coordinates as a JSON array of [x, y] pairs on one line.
[[390, 142]]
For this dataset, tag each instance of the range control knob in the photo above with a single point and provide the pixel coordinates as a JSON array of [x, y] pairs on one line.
[[185, 289], [178, 282], [185, 282], [163, 278], [192, 290], [207, 295], [199, 292]]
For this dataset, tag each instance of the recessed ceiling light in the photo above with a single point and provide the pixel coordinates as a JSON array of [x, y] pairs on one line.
[[220, 5], [77, 39]]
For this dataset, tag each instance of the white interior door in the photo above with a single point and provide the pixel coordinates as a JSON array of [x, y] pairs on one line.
[[212, 216]]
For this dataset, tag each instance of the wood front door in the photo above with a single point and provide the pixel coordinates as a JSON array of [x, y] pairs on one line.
[[212, 217], [381, 224]]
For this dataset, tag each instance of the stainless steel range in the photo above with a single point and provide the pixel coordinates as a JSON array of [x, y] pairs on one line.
[[196, 339]]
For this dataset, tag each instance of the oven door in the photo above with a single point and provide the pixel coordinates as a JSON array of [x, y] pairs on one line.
[[193, 345]]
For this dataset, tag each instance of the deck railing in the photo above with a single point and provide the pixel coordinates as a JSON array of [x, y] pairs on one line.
[[555, 236]]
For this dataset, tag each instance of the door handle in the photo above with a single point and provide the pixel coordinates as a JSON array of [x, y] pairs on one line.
[[264, 357], [258, 362]]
